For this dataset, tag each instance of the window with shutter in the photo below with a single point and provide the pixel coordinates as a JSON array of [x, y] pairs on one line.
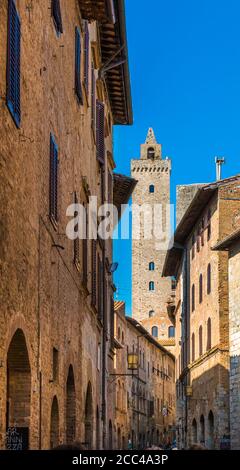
[[100, 289], [100, 132], [94, 273], [93, 100], [13, 63], [57, 17], [53, 191], [85, 254], [86, 56], [78, 84], [76, 246]]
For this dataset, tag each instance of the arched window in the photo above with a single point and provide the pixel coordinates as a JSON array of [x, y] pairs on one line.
[[151, 313], [151, 286], [151, 152], [193, 298], [209, 287], [200, 288], [155, 331], [200, 341], [209, 334], [119, 333], [193, 347], [151, 188], [209, 224], [171, 332], [151, 266], [202, 430], [194, 431], [122, 337]]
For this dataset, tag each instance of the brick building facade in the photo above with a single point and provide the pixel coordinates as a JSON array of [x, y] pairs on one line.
[[231, 244], [62, 95], [149, 291], [201, 314], [145, 397]]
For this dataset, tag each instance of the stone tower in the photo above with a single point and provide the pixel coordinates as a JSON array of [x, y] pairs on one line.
[[150, 291]]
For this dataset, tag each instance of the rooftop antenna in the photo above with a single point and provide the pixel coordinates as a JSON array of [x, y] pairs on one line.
[[219, 162]]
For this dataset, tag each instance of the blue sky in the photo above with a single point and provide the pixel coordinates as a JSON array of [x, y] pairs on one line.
[[185, 75]]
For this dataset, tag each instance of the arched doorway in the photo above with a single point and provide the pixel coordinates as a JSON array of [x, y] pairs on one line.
[[194, 431], [70, 408], [97, 429], [119, 439], [123, 443], [110, 436], [18, 391], [54, 427], [202, 430], [89, 418], [210, 442]]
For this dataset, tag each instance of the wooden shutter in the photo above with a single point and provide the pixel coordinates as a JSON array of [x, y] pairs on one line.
[[86, 56], [94, 273], [93, 100], [56, 14], [13, 63], [78, 85], [53, 192], [76, 241], [100, 132]]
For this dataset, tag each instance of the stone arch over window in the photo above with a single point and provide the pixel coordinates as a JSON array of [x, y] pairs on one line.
[[209, 280], [200, 340], [70, 407], [89, 417], [150, 152], [200, 288], [193, 347], [155, 331], [151, 188], [152, 266], [209, 334], [54, 426], [171, 332], [194, 431], [18, 385], [151, 286]]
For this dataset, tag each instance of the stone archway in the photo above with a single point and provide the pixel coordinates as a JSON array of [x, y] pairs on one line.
[[54, 426], [202, 430], [70, 407], [18, 404], [210, 441], [110, 436], [97, 429], [194, 431], [89, 417]]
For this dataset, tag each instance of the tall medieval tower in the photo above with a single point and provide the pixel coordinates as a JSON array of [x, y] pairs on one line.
[[150, 291]]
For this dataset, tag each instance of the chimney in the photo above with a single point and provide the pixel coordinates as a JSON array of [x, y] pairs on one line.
[[219, 162]]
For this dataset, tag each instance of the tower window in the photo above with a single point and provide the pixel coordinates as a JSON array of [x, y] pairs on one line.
[[151, 266], [57, 17], [200, 288], [151, 286], [151, 188], [209, 334], [193, 298], [151, 152], [155, 331], [171, 332], [209, 287], [151, 313]]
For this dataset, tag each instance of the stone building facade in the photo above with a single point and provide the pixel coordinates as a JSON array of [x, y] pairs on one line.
[[58, 106], [201, 314], [145, 397], [150, 240], [231, 244]]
